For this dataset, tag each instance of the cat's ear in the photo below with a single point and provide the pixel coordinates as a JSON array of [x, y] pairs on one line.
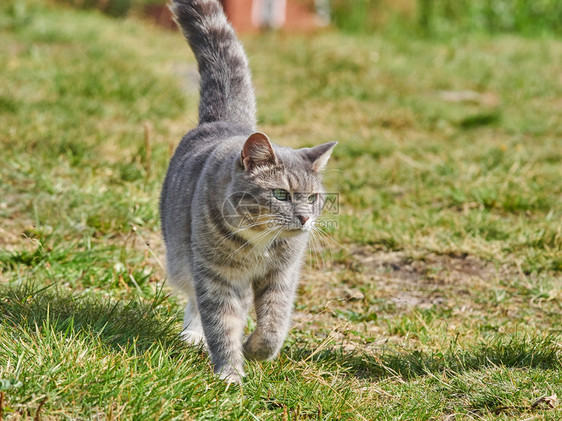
[[257, 151], [319, 155]]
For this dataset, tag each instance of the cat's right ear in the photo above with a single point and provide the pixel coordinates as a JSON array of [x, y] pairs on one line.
[[257, 151]]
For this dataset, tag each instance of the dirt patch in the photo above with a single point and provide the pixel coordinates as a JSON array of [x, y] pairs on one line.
[[423, 281], [407, 281], [372, 286], [429, 268], [16, 234], [15, 227]]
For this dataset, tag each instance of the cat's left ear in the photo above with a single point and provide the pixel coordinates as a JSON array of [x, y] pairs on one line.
[[319, 155]]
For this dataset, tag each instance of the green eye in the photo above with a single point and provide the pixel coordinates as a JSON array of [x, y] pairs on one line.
[[281, 194], [313, 198]]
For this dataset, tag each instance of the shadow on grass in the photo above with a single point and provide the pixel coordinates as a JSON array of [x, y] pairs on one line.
[[516, 351], [117, 323], [121, 324]]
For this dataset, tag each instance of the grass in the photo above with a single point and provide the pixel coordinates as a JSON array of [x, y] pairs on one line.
[[442, 18], [439, 296]]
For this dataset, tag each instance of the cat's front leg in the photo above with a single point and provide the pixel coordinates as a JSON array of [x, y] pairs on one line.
[[223, 308], [192, 331], [273, 300]]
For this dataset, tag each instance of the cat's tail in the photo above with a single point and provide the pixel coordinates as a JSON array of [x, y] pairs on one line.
[[226, 86]]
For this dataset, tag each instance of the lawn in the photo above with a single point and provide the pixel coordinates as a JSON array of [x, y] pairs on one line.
[[435, 293]]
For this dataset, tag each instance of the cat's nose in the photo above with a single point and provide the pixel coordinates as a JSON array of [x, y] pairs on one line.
[[303, 219]]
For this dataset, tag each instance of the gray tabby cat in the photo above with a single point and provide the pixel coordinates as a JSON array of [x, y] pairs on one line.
[[236, 210]]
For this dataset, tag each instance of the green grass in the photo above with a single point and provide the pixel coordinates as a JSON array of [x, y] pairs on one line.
[[442, 18], [439, 296]]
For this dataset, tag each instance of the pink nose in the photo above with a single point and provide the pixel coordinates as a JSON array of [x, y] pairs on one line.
[[303, 219]]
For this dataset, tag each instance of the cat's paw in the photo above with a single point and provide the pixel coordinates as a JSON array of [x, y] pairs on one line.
[[193, 338], [260, 349], [259, 354], [230, 375]]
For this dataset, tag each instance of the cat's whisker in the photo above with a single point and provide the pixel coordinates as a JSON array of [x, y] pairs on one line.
[[239, 230], [256, 239], [269, 231], [321, 251], [313, 252], [327, 236], [317, 246], [324, 239]]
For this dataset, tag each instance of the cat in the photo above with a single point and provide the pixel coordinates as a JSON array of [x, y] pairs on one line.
[[236, 210]]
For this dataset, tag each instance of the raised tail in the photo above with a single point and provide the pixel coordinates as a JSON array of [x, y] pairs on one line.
[[226, 92]]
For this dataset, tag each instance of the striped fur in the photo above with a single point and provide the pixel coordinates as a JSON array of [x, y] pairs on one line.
[[229, 241], [226, 85]]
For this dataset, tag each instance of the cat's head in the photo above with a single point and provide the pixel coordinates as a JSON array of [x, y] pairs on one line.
[[277, 191]]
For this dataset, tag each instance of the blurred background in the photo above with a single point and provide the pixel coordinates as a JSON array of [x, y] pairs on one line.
[[436, 17]]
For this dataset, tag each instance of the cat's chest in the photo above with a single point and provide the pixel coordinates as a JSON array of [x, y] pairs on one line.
[[259, 242], [255, 261]]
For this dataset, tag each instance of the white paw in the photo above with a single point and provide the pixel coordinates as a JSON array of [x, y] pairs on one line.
[[192, 337], [230, 375]]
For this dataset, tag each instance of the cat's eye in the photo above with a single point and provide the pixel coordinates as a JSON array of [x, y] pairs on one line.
[[281, 194], [312, 198]]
